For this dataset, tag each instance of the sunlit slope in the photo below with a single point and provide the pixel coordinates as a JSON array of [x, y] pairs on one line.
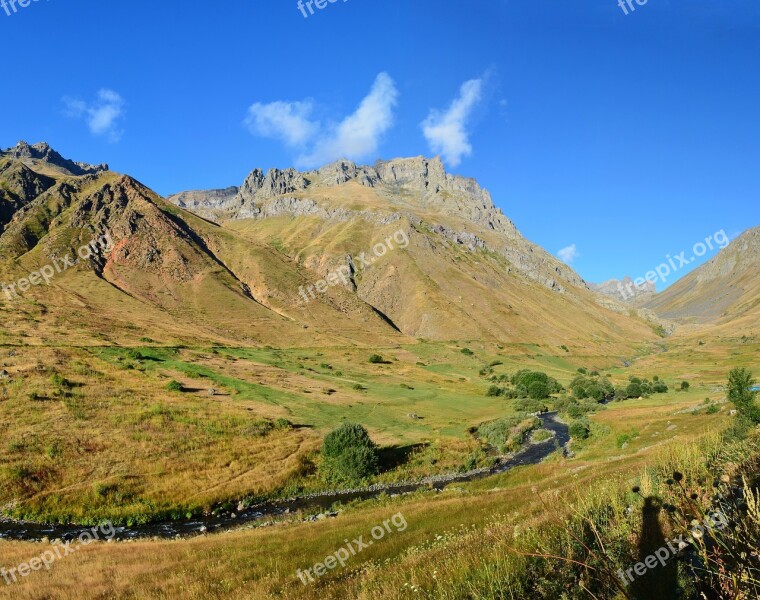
[[428, 276], [724, 293]]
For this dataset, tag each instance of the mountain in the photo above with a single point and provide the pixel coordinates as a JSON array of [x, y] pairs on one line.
[[625, 290], [724, 292], [466, 273], [341, 255]]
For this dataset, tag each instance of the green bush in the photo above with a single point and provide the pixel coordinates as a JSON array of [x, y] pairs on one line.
[[494, 391], [376, 359], [523, 379], [349, 455], [174, 386], [580, 429], [531, 406], [467, 352], [685, 385]]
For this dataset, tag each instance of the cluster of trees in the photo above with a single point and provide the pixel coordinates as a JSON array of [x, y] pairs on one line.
[[638, 388], [601, 388], [593, 387], [527, 384]]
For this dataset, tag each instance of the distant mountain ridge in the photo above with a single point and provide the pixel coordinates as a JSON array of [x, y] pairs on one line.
[[625, 290]]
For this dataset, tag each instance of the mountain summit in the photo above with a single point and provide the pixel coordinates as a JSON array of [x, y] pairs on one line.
[[43, 153]]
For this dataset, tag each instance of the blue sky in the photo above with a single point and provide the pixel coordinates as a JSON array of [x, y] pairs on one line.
[[631, 137]]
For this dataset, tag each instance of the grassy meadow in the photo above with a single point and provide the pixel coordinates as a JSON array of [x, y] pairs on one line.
[[131, 434]]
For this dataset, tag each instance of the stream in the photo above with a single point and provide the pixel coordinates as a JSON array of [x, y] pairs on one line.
[[531, 454]]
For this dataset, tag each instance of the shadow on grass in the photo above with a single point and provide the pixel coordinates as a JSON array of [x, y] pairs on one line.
[[661, 581], [392, 457]]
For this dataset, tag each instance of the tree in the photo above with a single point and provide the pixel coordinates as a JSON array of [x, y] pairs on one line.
[[376, 359], [740, 394], [684, 385], [349, 455], [538, 390], [634, 390]]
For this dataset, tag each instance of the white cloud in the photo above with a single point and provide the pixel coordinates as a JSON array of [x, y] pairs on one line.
[[102, 116], [286, 121], [356, 137], [445, 131], [569, 254]]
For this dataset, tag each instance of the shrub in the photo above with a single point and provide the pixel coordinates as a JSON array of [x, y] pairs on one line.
[[580, 429], [684, 385], [633, 390], [467, 352], [530, 406], [627, 437], [174, 386], [376, 359], [523, 379], [349, 455], [494, 390]]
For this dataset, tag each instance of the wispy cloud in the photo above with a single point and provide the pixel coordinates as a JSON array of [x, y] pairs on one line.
[[569, 254], [446, 132], [103, 116], [356, 137], [288, 122]]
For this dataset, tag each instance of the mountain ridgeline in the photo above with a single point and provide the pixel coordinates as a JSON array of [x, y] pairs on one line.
[[231, 265]]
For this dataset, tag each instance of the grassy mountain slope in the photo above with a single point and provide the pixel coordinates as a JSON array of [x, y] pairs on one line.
[[723, 294]]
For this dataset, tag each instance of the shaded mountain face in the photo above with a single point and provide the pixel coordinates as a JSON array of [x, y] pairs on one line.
[[723, 291], [341, 255]]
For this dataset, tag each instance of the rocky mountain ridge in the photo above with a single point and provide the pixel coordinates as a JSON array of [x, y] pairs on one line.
[[42, 152], [415, 189]]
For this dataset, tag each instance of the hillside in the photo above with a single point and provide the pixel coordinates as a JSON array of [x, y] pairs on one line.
[[724, 293]]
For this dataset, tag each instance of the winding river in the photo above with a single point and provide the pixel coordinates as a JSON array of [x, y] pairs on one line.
[[531, 454]]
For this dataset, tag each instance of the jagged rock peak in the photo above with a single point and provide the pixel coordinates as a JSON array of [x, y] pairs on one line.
[[258, 186], [43, 152]]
